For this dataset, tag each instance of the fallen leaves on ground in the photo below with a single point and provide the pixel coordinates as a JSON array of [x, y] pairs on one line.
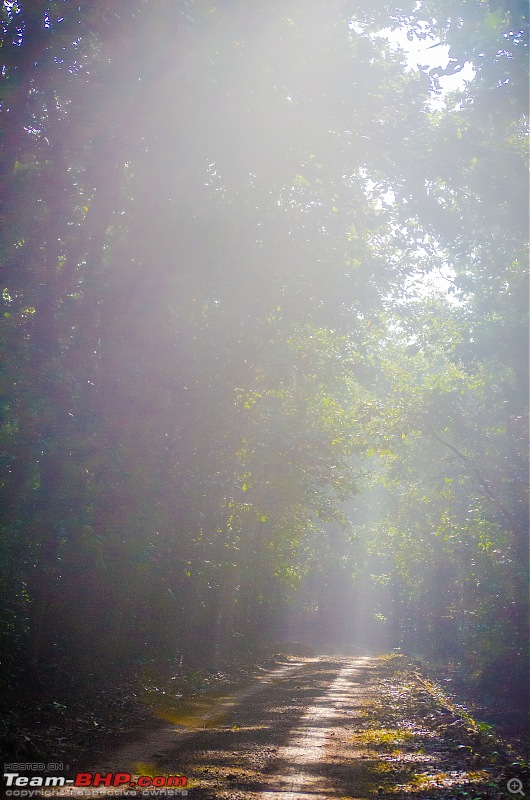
[[431, 746]]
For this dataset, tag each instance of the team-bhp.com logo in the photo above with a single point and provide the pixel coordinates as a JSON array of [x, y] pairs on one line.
[[22, 785]]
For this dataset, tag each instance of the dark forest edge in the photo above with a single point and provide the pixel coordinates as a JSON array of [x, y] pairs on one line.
[[232, 412]]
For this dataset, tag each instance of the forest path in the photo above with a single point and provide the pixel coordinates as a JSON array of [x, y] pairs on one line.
[[286, 736], [326, 728]]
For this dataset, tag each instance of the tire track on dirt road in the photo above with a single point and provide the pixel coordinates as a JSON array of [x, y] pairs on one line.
[[298, 776]]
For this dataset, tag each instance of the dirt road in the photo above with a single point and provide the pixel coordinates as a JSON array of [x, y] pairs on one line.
[[284, 737]]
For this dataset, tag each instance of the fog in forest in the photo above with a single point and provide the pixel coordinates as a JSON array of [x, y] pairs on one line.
[[264, 337]]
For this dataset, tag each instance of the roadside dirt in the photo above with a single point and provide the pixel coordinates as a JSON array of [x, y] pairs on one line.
[[319, 729]]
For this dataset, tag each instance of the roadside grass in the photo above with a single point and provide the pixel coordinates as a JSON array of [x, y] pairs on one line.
[[431, 745]]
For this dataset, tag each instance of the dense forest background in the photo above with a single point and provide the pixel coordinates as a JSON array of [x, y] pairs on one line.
[[264, 364]]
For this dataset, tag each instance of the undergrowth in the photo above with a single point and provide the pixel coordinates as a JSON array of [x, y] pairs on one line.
[[431, 746]]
